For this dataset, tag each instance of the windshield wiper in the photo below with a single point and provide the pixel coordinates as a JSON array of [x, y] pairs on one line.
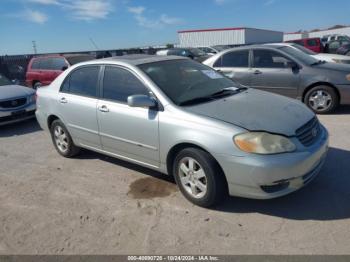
[[223, 92], [318, 62]]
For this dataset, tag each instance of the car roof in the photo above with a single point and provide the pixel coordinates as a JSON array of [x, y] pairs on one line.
[[140, 59]]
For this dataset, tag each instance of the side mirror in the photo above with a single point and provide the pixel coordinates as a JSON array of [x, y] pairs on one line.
[[141, 101], [64, 68], [292, 65], [15, 81]]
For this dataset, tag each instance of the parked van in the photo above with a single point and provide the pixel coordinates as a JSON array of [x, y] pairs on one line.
[[314, 44], [43, 70]]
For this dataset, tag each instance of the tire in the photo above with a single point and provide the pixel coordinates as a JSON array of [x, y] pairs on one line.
[[37, 85], [63, 142], [322, 99], [209, 174]]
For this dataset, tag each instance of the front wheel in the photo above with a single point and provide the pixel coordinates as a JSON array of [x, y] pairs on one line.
[[62, 140], [199, 177], [322, 99]]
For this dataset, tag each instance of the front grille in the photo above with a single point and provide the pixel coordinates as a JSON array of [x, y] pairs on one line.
[[14, 103], [308, 133], [20, 115]]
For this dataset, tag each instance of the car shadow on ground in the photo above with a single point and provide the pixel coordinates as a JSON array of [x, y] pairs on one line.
[[342, 110], [20, 128], [326, 198]]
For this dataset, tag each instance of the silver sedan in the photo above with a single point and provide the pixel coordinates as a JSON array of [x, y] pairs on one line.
[[184, 119], [17, 103]]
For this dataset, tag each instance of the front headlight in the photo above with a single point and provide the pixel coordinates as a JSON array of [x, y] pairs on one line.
[[32, 99], [263, 143], [348, 77]]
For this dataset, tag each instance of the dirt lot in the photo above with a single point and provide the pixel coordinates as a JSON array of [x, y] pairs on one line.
[[98, 205]]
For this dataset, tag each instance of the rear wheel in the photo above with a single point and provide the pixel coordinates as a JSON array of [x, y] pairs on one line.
[[62, 140], [322, 99], [199, 177]]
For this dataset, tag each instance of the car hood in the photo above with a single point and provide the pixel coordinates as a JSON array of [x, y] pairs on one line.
[[334, 66], [257, 111], [331, 56], [11, 91]]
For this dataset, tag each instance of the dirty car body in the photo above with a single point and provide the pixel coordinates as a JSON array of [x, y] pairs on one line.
[[185, 116], [17, 103]]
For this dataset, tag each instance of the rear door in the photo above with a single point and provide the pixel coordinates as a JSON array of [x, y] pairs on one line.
[[129, 132], [271, 72], [77, 105], [235, 65]]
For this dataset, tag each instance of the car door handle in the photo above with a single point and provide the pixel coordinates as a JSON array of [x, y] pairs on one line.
[[103, 109], [63, 100], [257, 72]]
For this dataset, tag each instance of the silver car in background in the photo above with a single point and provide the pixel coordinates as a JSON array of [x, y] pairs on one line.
[[184, 119], [17, 103]]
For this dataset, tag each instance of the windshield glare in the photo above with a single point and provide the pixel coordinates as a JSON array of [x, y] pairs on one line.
[[4, 81], [301, 56], [184, 80], [304, 49]]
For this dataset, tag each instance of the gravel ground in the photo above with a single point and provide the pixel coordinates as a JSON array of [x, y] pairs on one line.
[[98, 205]]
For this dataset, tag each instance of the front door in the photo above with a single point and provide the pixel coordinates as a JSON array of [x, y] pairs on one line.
[[130, 133], [271, 72]]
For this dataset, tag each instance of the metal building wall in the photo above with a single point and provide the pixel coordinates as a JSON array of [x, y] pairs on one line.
[[294, 36], [340, 31], [260, 36], [210, 38]]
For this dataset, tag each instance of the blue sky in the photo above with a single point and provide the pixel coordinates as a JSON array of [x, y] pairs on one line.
[[67, 25]]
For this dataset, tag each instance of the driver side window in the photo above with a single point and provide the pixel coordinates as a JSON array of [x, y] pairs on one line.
[[119, 83], [270, 59]]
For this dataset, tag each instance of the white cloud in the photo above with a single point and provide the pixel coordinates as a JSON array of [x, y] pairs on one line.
[[89, 9], [152, 23], [44, 2], [81, 9], [35, 16], [269, 2], [137, 10]]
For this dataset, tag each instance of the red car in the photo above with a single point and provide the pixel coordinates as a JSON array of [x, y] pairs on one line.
[[43, 70], [314, 44]]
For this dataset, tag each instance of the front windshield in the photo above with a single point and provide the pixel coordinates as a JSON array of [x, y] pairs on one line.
[[304, 49], [4, 81], [302, 57], [197, 52], [186, 80]]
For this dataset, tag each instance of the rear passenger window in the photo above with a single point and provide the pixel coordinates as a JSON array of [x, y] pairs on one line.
[[234, 59], [119, 83], [82, 81], [311, 42], [269, 59], [45, 64], [36, 64], [58, 63]]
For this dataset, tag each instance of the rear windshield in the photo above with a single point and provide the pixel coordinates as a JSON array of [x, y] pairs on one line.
[[4, 81], [78, 59]]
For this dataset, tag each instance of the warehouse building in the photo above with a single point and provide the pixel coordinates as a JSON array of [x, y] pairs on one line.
[[320, 33], [228, 36]]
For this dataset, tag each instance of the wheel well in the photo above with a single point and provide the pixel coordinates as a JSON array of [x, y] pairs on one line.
[[176, 149], [320, 84], [50, 119]]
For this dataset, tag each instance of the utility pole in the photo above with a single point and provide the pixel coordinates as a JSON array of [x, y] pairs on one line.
[[34, 47], [93, 43]]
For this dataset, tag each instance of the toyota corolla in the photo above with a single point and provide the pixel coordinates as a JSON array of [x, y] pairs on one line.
[[185, 119]]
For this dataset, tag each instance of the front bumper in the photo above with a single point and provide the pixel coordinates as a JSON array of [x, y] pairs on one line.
[[270, 176], [344, 91], [17, 115]]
